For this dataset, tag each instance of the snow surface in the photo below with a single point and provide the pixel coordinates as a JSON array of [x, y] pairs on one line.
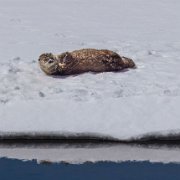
[[128, 105]]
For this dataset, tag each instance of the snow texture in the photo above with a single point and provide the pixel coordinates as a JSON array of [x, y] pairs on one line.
[[133, 104]]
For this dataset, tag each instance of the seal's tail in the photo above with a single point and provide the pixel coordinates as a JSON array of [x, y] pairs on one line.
[[128, 63]]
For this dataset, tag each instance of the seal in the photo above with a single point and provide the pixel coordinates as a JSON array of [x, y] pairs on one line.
[[83, 60]]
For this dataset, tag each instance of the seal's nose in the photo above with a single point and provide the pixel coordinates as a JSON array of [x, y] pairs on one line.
[[61, 65]]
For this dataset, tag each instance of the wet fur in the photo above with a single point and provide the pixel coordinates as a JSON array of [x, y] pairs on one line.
[[84, 60]]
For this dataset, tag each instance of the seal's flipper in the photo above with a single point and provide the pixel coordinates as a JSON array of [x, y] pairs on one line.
[[128, 63]]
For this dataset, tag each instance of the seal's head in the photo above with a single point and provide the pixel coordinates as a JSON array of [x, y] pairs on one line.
[[48, 63]]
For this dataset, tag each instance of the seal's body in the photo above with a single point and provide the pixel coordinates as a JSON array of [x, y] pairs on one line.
[[84, 60]]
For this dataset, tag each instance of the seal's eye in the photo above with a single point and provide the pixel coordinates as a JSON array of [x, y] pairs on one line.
[[50, 61]]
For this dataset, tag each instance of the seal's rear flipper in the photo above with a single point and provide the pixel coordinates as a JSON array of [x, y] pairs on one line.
[[128, 63]]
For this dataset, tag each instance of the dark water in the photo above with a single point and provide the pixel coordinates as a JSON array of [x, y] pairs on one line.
[[16, 169]]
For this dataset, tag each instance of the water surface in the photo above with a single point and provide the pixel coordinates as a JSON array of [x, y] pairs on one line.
[[17, 169]]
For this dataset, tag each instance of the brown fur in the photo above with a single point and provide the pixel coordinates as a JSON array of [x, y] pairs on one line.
[[84, 60]]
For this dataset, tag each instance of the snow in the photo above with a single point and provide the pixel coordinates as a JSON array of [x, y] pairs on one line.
[[79, 153], [122, 119], [134, 104]]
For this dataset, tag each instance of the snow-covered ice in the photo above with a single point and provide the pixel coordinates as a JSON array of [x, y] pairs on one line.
[[79, 153], [138, 103]]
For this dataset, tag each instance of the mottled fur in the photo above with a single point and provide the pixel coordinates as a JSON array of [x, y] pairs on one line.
[[84, 60]]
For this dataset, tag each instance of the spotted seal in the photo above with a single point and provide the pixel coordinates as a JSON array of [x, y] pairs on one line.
[[83, 60]]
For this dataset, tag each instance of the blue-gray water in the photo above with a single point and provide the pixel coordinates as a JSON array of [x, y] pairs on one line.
[[16, 169]]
